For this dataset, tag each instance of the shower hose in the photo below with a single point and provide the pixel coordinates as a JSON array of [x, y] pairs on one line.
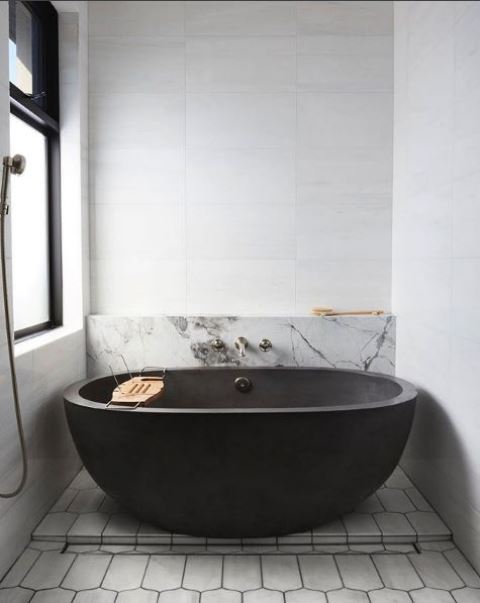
[[11, 357]]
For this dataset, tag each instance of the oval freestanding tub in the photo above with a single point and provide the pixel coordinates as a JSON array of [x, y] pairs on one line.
[[299, 448]]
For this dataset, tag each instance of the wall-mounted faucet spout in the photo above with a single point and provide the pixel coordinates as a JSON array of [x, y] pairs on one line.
[[241, 344]]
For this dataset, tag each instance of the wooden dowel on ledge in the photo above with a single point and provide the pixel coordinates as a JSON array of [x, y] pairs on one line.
[[330, 312]]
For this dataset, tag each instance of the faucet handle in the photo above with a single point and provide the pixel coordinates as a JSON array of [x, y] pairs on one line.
[[265, 345], [217, 344]]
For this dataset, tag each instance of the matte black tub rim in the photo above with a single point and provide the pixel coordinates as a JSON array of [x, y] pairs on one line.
[[407, 392]]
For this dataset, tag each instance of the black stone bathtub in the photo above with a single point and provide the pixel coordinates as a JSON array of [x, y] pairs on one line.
[[301, 447]]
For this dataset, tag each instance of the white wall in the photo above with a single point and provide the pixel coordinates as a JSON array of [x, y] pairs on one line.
[[436, 251], [240, 156], [46, 364]]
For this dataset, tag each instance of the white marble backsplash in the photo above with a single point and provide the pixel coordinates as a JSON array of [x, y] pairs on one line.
[[362, 343]]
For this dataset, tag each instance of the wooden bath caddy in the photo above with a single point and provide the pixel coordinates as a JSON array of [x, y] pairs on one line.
[[138, 391]]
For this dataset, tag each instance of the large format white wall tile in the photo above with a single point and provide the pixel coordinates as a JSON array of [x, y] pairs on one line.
[[430, 90], [355, 173], [127, 231], [428, 26], [465, 358], [240, 176], [466, 144], [431, 282], [134, 175], [262, 133], [428, 361], [230, 64], [147, 121], [345, 63], [342, 229], [263, 287], [466, 216], [326, 120], [425, 225], [241, 232], [465, 294], [132, 287], [355, 17], [119, 65], [139, 18], [240, 18], [342, 284], [241, 120], [436, 252], [467, 50]]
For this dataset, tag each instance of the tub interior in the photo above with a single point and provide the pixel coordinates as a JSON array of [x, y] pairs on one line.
[[271, 388]]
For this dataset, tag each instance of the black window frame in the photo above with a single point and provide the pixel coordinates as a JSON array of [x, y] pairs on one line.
[[41, 111]]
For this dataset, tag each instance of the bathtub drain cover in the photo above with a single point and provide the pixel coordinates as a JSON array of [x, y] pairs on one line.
[[243, 384]]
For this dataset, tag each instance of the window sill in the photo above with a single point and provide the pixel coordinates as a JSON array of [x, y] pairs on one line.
[[39, 341]]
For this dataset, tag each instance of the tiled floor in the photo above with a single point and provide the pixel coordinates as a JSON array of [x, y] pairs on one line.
[[393, 549], [396, 514], [438, 573]]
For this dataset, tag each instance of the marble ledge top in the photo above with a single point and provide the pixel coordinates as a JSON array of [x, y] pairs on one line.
[[245, 316]]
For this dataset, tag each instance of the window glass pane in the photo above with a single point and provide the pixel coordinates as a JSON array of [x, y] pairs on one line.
[[29, 219], [20, 48]]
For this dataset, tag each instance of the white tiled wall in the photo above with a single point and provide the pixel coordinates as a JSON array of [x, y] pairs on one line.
[[240, 156], [45, 368], [436, 251]]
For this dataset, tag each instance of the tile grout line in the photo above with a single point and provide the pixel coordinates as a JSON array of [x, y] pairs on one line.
[[442, 553], [145, 572], [221, 571], [106, 571], [382, 535], [185, 560], [300, 571], [376, 571], [347, 534], [261, 571], [295, 151], [416, 572], [334, 557], [15, 562], [185, 166]]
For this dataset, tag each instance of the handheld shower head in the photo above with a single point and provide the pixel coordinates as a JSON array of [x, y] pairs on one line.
[[11, 165], [16, 164]]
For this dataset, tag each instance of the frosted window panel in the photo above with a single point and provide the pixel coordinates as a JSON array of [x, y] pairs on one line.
[[29, 216]]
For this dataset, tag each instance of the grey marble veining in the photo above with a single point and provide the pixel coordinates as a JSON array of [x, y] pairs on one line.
[[352, 342]]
